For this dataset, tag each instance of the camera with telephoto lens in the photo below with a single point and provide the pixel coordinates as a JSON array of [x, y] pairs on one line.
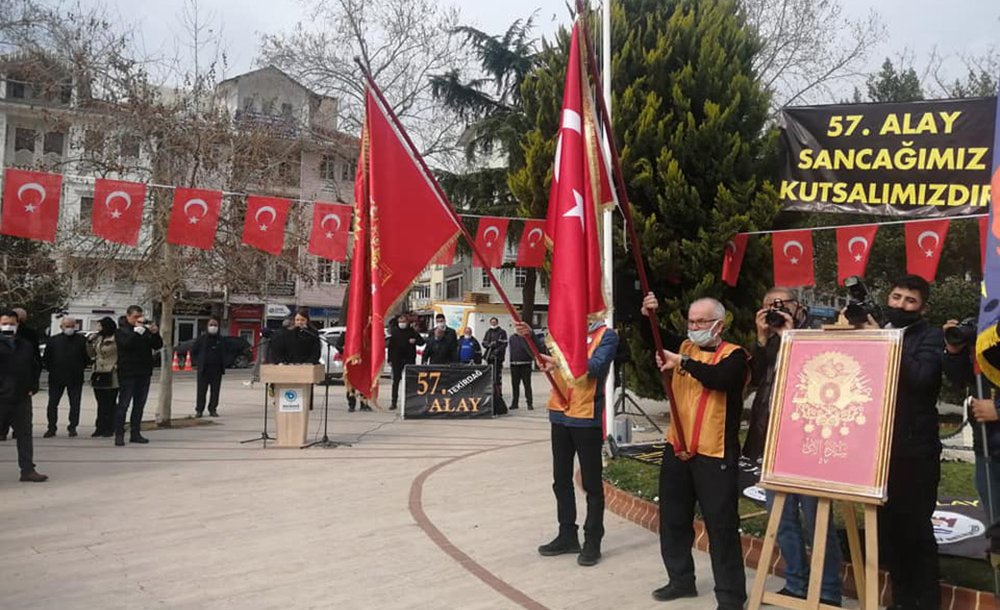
[[773, 318], [860, 303], [962, 334]]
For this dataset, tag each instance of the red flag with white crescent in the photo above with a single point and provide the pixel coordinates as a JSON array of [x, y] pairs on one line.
[[732, 261], [793, 258], [854, 244], [194, 218], [30, 204], [331, 227], [531, 250], [924, 242], [117, 211], [491, 240], [264, 225]]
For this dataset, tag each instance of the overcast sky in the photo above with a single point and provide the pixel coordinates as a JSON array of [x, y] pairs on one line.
[[952, 27]]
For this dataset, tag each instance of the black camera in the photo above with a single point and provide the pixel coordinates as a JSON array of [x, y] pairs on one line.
[[963, 334], [773, 318], [860, 303]]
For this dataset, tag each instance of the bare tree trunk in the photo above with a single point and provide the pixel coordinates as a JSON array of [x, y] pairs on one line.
[[528, 296], [163, 405]]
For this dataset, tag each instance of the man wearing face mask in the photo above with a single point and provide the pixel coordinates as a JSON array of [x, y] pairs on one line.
[[708, 378], [210, 356], [65, 358], [402, 346], [19, 372], [915, 459], [495, 346], [28, 334], [136, 339], [442, 346]]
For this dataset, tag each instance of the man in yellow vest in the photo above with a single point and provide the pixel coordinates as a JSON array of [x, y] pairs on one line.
[[708, 379], [577, 430]]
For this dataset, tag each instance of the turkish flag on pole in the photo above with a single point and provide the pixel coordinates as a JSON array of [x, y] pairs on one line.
[[30, 204], [854, 244], [793, 258], [531, 251], [924, 242], [330, 228], [117, 211], [194, 218], [576, 291], [491, 239], [264, 225], [732, 260], [401, 225]]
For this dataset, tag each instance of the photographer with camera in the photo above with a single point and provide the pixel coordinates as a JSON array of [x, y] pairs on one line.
[[136, 339], [915, 462], [781, 310], [984, 410]]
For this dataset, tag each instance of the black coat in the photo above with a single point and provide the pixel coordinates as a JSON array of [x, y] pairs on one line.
[[19, 369], [915, 432], [135, 351], [401, 351], [958, 369], [66, 358], [210, 354], [495, 345], [441, 351], [294, 346]]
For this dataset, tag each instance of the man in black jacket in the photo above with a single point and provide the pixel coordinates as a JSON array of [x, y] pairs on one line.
[[136, 340], [521, 360], [65, 358], [28, 334], [495, 348], [19, 372], [915, 463], [210, 356], [402, 346]]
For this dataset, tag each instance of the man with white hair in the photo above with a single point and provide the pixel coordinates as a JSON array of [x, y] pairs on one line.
[[708, 378]]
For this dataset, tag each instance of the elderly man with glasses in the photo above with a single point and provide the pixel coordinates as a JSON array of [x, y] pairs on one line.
[[708, 376]]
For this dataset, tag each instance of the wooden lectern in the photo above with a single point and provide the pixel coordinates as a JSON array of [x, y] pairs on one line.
[[291, 397]]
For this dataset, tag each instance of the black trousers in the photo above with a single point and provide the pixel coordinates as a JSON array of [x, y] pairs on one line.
[[397, 375], [520, 374], [18, 413], [585, 444], [908, 534], [713, 484], [134, 391], [208, 380], [107, 401], [56, 388]]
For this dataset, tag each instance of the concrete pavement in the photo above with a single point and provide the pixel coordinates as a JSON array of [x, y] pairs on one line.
[[416, 514]]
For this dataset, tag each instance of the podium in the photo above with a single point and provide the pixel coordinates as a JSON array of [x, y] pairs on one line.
[[291, 397]]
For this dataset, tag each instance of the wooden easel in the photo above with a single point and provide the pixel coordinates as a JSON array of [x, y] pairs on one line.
[[865, 578]]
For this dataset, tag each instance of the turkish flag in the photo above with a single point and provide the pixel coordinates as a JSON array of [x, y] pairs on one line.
[[264, 225], [984, 223], [402, 222], [732, 260], [924, 242], [531, 251], [793, 258], [491, 240], [194, 218], [30, 204], [576, 290], [330, 228], [117, 211], [854, 244]]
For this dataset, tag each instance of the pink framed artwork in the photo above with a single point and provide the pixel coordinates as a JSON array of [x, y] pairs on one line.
[[832, 412]]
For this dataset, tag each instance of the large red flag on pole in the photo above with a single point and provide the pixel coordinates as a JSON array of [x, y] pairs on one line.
[[401, 225], [580, 185]]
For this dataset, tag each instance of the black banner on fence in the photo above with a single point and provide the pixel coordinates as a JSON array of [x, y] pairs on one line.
[[912, 160], [448, 391]]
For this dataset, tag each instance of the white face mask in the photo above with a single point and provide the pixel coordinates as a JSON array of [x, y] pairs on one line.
[[403, 324], [213, 330], [8, 329], [494, 324], [440, 325], [69, 332], [703, 337]]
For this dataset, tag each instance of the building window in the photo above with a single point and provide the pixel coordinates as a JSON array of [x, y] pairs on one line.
[[286, 110], [248, 104], [24, 140], [485, 278], [53, 143], [328, 167], [453, 289], [327, 272], [86, 212], [350, 169], [130, 147], [345, 272], [288, 172], [422, 291], [439, 291], [520, 277], [16, 89]]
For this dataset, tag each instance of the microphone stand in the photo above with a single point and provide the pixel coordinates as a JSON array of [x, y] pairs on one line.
[[264, 436], [325, 442]]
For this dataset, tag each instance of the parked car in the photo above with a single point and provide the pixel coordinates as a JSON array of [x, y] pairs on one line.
[[240, 352], [329, 355]]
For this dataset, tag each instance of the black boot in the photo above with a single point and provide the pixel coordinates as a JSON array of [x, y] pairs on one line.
[[138, 438], [590, 554], [563, 543], [119, 439], [670, 591]]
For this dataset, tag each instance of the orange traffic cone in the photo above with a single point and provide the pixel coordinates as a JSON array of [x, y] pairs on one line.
[[187, 362], [176, 365]]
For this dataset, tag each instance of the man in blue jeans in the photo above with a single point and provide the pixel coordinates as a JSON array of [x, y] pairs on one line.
[[136, 340], [798, 519]]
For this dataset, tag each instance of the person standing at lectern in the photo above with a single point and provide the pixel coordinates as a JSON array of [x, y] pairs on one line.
[[296, 345]]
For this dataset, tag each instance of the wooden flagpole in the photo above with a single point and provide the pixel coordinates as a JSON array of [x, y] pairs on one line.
[[451, 210]]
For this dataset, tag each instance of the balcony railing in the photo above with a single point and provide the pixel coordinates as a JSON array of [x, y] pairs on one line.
[[280, 125]]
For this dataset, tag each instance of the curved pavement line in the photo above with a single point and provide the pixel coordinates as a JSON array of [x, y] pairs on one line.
[[441, 540]]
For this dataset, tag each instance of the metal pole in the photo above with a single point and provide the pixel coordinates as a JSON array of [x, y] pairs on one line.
[[987, 458], [607, 243]]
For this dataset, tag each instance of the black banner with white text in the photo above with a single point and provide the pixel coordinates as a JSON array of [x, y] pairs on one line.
[[448, 391]]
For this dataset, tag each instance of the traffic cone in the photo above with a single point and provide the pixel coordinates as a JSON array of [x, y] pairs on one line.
[[176, 365], [187, 362]]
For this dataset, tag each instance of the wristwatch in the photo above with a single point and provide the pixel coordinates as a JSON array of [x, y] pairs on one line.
[[684, 360]]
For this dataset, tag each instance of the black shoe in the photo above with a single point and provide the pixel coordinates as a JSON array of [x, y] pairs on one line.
[[199, 414], [107, 434], [590, 554], [97, 433], [138, 438], [671, 591], [365, 408], [560, 546], [49, 433], [785, 591], [33, 476], [119, 440], [531, 408], [350, 409], [71, 431], [393, 407], [511, 408], [213, 413]]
